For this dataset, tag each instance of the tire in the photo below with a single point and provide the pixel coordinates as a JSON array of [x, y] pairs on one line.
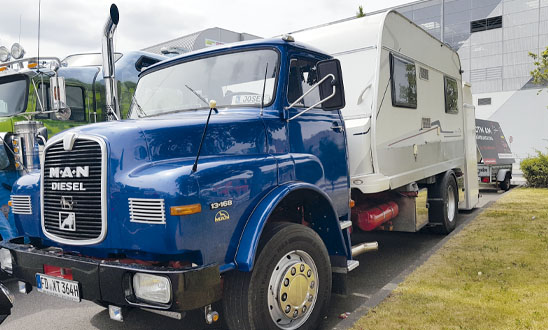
[[292, 271], [505, 185], [443, 204]]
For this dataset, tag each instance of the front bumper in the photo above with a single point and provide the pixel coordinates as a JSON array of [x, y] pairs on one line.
[[110, 282]]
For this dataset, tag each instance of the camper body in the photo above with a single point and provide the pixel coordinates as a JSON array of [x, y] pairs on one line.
[[241, 172]]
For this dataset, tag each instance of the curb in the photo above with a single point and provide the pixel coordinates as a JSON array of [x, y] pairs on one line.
[[385, 291]]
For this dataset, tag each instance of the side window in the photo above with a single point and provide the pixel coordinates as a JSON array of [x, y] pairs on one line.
[[75, 100], [302, 76], [403, 76], [451, 95]]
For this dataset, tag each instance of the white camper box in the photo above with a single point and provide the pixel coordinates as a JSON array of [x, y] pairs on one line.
[[404, 117]]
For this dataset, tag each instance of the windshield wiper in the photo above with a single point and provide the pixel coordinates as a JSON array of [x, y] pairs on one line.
[[141, 111], [198, 95]]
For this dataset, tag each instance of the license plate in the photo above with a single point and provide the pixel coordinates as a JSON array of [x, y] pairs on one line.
[[483, 171], [58, 287]]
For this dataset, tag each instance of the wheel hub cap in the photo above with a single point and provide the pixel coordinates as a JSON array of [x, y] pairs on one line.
[[297, 290]]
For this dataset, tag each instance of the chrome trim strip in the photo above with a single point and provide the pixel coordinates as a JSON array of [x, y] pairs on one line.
[[104, 208]]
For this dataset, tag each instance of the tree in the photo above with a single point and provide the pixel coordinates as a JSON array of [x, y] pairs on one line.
[[540, 73], [360, 12]]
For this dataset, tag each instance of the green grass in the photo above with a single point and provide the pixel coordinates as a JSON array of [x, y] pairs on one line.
[[491, 275]]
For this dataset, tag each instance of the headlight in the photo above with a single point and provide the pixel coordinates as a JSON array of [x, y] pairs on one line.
[[152, 288], [5, 260], [17, 51], [4, 54]]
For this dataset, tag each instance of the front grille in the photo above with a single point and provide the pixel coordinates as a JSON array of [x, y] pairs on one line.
[[20, 204], [147, 210], [70, 214]]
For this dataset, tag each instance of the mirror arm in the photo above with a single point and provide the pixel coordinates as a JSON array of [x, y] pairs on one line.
[[310, 90], [317, 103]]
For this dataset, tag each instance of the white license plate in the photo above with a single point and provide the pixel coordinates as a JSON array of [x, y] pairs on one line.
[[483, 171], [58, 287]]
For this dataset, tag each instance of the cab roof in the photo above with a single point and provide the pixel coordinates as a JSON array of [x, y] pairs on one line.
[[272, 42]]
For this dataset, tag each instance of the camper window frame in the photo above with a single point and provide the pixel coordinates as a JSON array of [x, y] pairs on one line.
[[396, 103], [447, 110]]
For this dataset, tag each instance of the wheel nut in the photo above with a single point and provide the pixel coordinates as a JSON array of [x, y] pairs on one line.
[[284, 297], [312, 284], [309, 273], [286, 282], [310, 298], [304, 309], [287, 309], [295, 313], [302, 268], [293, 271]]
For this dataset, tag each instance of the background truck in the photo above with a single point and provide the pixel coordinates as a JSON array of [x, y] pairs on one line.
[[495, 158], [242, 170], [26, 106]]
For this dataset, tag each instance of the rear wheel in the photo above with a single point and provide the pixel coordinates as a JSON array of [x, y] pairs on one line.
[[505, 185], [289, 287], [443, 204]]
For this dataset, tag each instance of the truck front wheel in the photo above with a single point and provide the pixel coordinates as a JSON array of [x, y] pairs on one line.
[[289, 287]]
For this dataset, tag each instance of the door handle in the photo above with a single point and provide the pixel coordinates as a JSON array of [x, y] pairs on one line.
[[337, 128]]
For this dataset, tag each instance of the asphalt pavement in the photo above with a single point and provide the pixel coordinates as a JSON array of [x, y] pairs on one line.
[[378, 272]]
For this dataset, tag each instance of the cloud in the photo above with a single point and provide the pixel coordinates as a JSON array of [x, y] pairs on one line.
[[69, 26]]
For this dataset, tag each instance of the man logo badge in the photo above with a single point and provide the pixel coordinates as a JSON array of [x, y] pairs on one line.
[[67, 221], [66, 202]]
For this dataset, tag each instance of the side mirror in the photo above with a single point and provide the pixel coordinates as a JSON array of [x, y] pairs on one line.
[[330, 86], [6, 303], [42, 134], [58, 98]]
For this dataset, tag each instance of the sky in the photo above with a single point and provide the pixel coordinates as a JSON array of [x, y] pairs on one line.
[[75, 26]]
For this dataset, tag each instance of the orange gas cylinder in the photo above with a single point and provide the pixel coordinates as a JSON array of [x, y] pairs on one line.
[[373, 217]]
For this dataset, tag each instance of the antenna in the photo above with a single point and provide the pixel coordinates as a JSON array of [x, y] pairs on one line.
[[21, 15], [264, 87], [39, 6]]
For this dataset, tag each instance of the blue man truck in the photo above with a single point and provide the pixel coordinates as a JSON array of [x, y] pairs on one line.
[[241, 171]]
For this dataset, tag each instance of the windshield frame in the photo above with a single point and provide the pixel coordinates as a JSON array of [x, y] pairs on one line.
[[184, 59], [13, 78]]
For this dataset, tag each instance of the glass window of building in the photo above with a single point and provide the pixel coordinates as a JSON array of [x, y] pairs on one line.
[[403, 76]]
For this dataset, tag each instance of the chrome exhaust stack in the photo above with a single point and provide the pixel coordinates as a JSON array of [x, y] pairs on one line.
[[112, 107]]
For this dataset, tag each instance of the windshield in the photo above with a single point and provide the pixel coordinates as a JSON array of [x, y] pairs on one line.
[[233, 80], [13, 95]]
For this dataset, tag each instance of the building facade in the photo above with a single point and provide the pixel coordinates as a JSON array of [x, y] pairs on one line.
[[493, 39], [198, 40]]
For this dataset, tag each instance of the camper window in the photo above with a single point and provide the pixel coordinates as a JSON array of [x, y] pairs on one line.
[[451, 95], [403, 76]]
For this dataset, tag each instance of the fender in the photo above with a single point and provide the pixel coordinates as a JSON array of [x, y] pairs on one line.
[[501, 174], [327, 227]]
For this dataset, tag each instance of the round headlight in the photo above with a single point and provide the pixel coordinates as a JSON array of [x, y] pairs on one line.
[[17, 51], [4, 54]]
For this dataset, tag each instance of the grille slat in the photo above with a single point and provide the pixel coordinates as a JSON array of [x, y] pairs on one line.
[[147, 210], [83, 208]]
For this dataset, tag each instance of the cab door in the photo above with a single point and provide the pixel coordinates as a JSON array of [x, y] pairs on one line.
[[316, 138]]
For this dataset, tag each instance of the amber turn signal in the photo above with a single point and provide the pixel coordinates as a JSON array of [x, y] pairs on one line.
[[352, 203], [10, 203], [186, 209], [32, 65]]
